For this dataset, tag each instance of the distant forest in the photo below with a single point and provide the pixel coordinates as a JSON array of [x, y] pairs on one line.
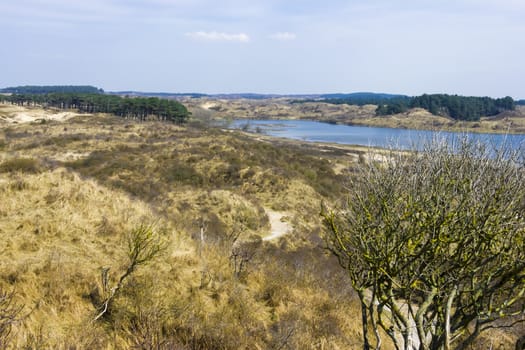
[[139, 108], [32, 89], [453, 106], [358, 98]]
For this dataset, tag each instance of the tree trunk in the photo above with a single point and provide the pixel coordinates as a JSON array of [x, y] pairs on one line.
[[364, 319], [447, 319]]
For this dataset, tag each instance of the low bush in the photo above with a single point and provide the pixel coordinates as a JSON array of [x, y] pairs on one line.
[[22, 165]]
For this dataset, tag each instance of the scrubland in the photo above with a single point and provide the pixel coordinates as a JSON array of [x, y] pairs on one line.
[[417, 118], [72, 192]]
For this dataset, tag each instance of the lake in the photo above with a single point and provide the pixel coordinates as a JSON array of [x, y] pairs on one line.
[[313, 131]]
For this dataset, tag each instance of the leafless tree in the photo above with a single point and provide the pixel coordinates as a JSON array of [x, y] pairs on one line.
[[243, 252], [10, 314], [433, 244]]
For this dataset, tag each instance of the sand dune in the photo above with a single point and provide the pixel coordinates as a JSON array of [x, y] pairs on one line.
[[19, 115]]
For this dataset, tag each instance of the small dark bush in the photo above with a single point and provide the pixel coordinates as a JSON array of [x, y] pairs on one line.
[[23, 165], [182, 173], [63, 140], [19, 185]]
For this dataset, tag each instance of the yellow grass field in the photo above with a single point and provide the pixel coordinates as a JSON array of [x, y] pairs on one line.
[[73, 188]]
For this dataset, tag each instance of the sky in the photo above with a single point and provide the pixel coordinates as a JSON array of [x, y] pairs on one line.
[[467, 47]]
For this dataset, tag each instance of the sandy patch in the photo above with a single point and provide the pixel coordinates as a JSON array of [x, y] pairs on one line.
[[71, 156], [340, 168], [278, 226], [26, 117], [208, 105], [22, 115]]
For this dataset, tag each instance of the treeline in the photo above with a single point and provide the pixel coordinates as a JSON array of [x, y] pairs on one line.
[[131, 108], [364, 98], [64, 89], [454, 106], [358, 98], [520, 102], [361, 101]]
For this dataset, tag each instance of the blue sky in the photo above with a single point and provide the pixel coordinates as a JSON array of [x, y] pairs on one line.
[[469, 47]]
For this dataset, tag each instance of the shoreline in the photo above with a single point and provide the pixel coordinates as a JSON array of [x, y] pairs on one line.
[[362, 123], [508, 122]]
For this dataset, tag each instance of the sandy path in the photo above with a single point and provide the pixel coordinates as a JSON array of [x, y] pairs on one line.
[[278, 227]]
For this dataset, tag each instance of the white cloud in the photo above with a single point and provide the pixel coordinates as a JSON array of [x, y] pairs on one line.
[[218, 36], [283, 36]]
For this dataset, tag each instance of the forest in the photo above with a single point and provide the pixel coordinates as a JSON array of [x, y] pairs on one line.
[[138, 108], [358, 99], [33, 89], [456, 107]]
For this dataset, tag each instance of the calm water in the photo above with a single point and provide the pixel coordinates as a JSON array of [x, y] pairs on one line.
[[364, 136]]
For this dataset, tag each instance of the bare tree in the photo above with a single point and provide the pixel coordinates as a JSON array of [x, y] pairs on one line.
[[9, 315], [243, 252], [433, 244]]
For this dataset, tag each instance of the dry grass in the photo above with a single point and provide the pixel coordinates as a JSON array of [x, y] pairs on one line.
[[277, 109], [70, 192], [58, 231]]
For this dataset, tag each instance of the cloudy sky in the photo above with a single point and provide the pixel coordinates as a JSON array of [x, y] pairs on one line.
[[469, 47]]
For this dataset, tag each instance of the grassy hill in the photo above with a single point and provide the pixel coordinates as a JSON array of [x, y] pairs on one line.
[[74, 190]]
